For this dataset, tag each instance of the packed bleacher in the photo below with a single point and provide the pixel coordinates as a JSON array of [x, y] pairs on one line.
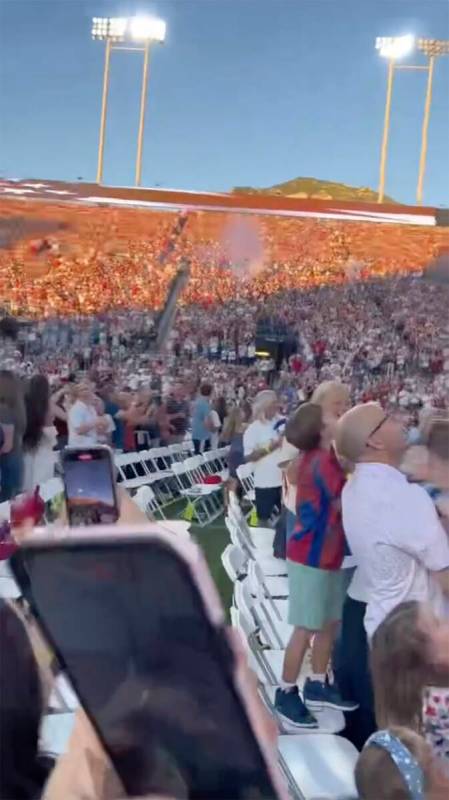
[[110, 258], [209, 431]]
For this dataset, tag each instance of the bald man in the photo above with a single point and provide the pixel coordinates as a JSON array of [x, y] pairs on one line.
[[392, 527]]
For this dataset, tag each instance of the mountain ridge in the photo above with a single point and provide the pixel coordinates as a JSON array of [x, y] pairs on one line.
[[316, 189]]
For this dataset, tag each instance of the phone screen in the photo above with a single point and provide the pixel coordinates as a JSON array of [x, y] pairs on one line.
[[89, 486], [154, 675]]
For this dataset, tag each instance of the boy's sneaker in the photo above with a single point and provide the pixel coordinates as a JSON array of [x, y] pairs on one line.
[[289, 705], [325, 695]]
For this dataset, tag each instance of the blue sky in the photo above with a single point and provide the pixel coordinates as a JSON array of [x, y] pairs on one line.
[[244, 92]]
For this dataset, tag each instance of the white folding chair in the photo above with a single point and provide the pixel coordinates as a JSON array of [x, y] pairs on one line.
[[261, 589], [269, 564], [259, 538], [274, 587], [319, 765], [234, 562], [161, 458], [274, 633], [176, 452], [194, 466], [245, 474], [147, 501], [204, 501], [155, 461], [214, 465], [132, 473], [187, 444], [268, 665], [222, 455]]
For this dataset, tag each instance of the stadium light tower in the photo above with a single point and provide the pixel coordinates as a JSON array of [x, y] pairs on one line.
[[128, 34], [394, 48]]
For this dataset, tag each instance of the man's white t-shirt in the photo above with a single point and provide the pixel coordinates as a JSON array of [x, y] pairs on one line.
[[266, 471], [397, 540], [80, 414]]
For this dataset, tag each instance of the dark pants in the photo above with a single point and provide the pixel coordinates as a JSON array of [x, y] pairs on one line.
[[11, 475], [351, 668], [267, 499], [197, 445]]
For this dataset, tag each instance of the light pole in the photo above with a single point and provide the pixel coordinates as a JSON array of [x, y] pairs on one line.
[[432, 48], [394, 48], [134, 34]]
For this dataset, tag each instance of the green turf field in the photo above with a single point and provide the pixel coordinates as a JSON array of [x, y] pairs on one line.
[[213, 539]]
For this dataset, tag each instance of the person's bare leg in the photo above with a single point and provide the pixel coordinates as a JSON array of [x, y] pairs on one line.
[[322, 648], [294, 654]]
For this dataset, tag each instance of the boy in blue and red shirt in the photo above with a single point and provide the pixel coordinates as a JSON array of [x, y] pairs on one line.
[[317, 584]]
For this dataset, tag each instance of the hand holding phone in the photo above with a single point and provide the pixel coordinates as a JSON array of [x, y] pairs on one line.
[[89, 486], [137, 627]]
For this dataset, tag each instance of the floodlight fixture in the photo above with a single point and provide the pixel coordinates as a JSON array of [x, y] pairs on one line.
[[433, 47], [395, 47], [145, 29], [129, 29]]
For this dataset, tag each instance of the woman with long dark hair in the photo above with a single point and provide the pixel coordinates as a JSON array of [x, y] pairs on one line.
[[40, 434], [13, 416], [23, 772]]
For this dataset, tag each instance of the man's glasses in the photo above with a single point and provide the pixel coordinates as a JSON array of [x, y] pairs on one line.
[[378, 427]]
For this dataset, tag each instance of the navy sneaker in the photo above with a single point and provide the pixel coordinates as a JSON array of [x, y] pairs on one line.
[[325, 695], [290, 707]]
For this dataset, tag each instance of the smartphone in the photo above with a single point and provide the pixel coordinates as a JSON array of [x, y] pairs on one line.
[[89, 486], [137, 626]]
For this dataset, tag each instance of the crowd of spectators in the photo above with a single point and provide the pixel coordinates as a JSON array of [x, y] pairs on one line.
[[81, 371], [111, 258], [388, 339]]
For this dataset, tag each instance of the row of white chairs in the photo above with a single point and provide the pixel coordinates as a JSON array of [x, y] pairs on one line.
[[171, 477], [315, 763]]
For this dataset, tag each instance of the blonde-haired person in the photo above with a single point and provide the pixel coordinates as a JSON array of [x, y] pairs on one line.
[[397, 764], [409, 652], [83, 422], [261, 440], [333, 397]]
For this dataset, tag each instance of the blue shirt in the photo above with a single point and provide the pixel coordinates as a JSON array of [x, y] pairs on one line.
[[118, 436], [201, 410]]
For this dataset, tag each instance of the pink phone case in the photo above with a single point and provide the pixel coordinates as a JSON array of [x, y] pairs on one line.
[[192, 555]]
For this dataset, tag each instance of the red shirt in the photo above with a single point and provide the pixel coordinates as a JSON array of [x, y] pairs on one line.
[[318, 539]]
